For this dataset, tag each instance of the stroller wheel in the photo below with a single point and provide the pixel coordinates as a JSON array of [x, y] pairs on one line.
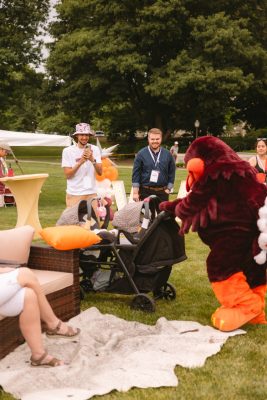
[[86, 285], [82, 295], [143, 302], [166, 292]]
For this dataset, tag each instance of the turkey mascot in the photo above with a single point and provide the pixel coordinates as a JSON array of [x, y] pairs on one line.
[[223, 207]]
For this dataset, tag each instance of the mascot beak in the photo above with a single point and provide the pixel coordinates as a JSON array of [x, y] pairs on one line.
[[195, 168]]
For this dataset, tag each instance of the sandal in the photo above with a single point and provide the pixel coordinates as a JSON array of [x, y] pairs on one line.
[[71, 332], [54, 362]]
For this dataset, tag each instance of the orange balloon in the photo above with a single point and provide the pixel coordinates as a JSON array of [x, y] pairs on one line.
[[100, 178], [106, 162], [112, 173]]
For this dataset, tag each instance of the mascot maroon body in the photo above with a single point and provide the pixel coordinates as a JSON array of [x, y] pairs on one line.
[[222, 206]]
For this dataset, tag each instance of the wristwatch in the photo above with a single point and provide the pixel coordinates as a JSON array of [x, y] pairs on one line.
[[94, 162]]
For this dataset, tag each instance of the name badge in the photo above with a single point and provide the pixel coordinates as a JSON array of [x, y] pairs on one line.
[[154, 176]]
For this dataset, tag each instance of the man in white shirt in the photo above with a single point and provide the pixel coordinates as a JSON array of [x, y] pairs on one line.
[[80, 162]]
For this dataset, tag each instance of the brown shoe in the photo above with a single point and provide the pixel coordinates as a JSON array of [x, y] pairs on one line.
[[71, 332], [54, 362]]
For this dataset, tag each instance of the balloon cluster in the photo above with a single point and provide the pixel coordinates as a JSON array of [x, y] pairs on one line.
[[109, 174], [262, 239], [108, 171]]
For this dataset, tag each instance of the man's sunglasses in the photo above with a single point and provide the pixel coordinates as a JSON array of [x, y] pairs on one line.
[[261, 138]]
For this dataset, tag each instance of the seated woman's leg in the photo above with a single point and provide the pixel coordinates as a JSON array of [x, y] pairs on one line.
[[26, 278], [30, 326]]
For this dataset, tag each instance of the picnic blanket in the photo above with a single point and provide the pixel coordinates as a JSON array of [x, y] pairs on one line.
[[111, 353]]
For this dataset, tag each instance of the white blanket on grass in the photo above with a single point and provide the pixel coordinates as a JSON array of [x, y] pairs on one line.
[[111, 353]]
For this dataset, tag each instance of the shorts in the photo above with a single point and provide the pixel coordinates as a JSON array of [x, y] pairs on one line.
[[11, 294], [72, 199]]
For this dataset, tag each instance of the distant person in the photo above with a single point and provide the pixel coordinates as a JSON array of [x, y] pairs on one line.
[[4, 171], [153, 170], [80, 163], [174, 150], [259, 161]]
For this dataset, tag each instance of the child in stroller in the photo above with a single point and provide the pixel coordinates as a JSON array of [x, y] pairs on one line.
[[139, 264]]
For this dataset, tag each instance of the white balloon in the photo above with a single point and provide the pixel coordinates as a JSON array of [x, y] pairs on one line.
[[101, 184], [106, 183], [101, 192]]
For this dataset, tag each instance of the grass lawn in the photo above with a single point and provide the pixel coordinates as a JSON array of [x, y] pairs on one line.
[[237, 372]]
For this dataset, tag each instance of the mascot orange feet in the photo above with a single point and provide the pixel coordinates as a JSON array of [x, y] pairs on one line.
[[260, 319], [240, 303]]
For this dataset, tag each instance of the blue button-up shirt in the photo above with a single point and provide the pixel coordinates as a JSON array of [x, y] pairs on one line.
[[145, 162]]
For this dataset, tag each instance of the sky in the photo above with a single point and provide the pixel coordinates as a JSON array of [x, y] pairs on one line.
[[52, 15], [46, 38]]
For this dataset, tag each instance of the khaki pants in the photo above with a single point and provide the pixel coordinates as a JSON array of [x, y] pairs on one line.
[[71, 200]]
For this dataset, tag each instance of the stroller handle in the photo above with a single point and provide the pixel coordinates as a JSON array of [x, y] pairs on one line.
[[90, 211], [154, 201], [89, 206]]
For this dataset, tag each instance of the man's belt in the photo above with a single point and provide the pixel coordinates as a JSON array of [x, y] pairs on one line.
[[155, 188]]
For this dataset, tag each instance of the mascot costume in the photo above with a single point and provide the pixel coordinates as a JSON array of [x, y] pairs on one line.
[[223, 206]]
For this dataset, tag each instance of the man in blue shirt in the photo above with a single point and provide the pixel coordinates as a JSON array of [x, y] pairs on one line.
[[153, 170]]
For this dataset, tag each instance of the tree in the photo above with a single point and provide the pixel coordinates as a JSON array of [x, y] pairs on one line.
[[20, 50], [143, 63]]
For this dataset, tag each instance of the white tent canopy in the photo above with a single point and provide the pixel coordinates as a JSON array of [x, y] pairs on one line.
[[34, 139]]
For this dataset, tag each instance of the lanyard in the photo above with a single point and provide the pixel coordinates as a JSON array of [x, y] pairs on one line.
[[156, 162]]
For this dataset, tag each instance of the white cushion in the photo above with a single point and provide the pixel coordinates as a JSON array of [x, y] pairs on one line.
[[52, 281], [15, 244]]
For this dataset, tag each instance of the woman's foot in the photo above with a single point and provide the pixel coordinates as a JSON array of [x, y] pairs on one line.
[[46, 361], [63, 330]]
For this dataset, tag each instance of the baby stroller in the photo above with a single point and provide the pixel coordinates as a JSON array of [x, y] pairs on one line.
[[135, 263]]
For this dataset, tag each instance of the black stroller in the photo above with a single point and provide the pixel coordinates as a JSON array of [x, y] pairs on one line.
[[126, 263]]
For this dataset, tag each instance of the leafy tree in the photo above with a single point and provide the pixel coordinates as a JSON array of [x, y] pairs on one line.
[[20, 50], [165, 63]]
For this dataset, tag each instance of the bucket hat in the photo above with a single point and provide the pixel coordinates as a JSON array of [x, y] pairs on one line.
[[5, 146], [83, 129]]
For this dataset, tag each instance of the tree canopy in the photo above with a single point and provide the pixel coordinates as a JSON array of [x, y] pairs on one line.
[[20, 50], [134, 64]]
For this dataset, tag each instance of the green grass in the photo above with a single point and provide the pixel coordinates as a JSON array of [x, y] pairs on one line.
[[237, 372]]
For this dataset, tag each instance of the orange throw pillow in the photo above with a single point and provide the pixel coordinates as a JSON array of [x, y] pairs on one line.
[[69, 237]]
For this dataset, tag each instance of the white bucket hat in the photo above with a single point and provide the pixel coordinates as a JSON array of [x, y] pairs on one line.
[[5, 146], [83, 129]]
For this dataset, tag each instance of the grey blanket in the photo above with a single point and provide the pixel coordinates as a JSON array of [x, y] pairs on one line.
[[111, 353]]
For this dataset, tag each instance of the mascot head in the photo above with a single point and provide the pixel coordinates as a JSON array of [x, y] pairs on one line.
[[209, 157]]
